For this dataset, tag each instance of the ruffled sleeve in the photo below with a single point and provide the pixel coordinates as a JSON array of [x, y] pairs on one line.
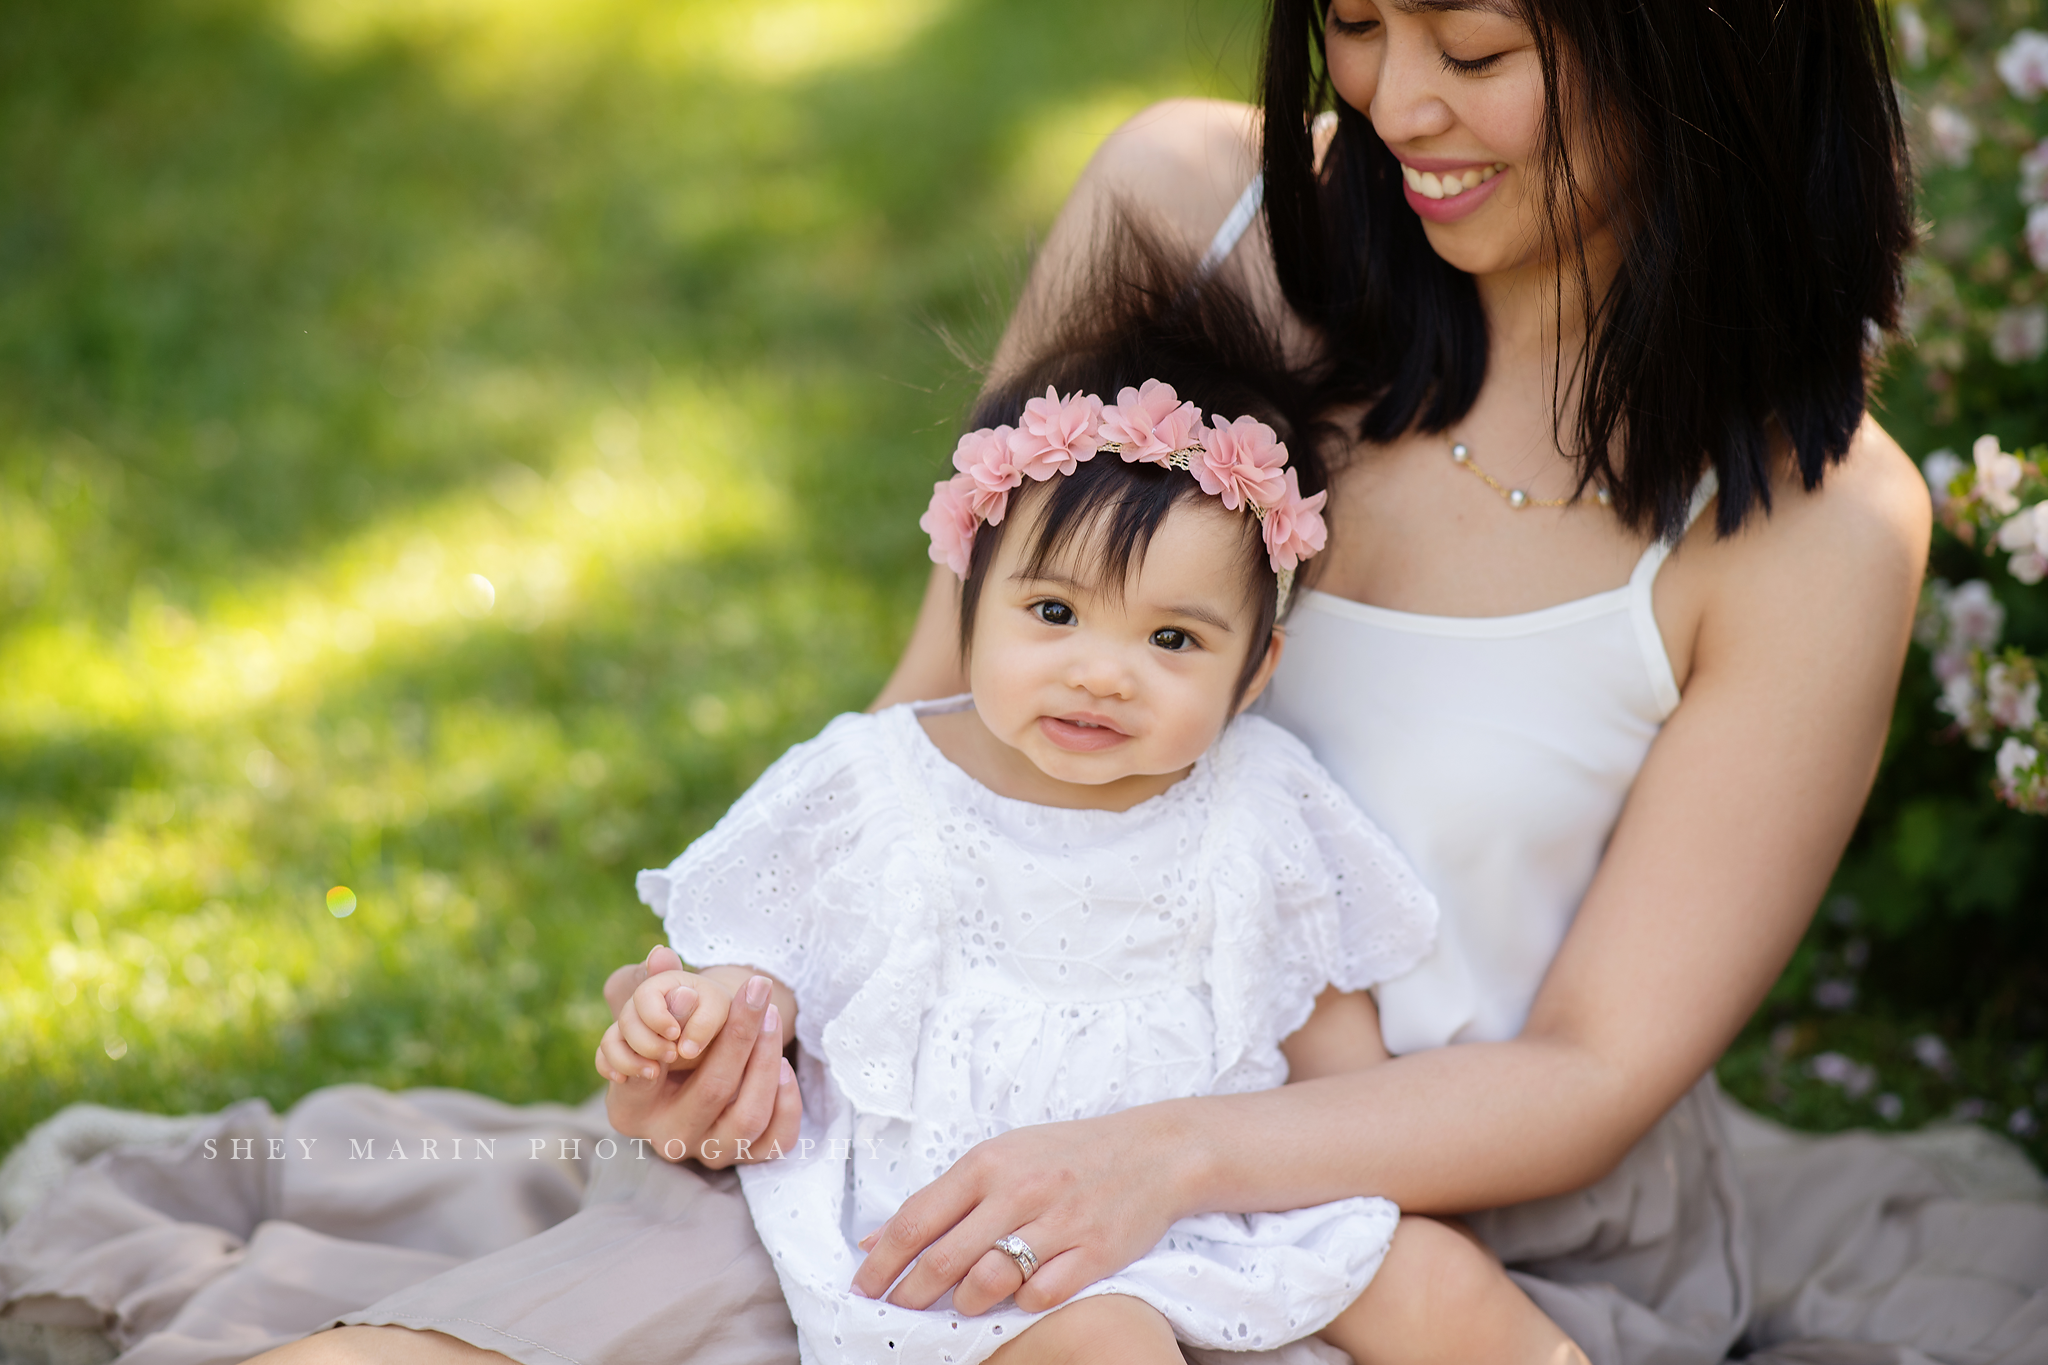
[[781, 882], [1309, 894]]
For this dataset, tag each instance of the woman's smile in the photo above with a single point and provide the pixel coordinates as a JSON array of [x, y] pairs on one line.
[[1444, 191]]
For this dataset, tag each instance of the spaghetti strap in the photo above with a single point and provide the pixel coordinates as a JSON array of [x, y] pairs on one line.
[[1233, 229], [1642, 609]]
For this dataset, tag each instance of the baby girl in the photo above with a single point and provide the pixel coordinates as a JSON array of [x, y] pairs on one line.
[[1090, 883]]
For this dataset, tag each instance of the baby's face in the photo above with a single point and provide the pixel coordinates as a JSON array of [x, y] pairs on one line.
[[1096, 687]]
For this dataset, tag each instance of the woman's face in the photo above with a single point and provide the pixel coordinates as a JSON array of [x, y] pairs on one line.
[[1455, 90]]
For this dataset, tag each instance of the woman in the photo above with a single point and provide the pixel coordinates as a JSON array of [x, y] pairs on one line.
[[1577, 272]]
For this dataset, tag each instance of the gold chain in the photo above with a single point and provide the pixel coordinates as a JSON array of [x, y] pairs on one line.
[[1515, 497]]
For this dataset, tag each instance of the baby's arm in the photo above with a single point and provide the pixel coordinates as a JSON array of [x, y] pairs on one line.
[[1343, 1034], [672, 1016]]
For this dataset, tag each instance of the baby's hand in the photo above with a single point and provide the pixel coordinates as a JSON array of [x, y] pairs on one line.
[[668, 1021]]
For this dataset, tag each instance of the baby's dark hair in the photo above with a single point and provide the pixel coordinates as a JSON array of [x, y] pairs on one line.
[[1145, 313]]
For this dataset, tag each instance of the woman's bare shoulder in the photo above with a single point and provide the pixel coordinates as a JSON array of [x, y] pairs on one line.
[[1870, 519], [1181, 162], [1176, 167], [1852, 549]]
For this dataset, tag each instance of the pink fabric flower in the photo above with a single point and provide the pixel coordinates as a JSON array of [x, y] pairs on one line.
[[984, 457], [951, 523], [1294, 527], [1150, 423], [1057, 434], [1241, 463]]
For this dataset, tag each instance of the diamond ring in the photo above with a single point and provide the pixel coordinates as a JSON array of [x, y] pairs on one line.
[[1019, 1250]]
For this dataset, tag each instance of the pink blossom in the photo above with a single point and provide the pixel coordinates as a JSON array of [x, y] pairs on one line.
[[1912, 33], [1998, 474], [1294, 527], [1150, 423], [2015, 757], [1941, 469], [1959, 698], [1975, 618], [1855, 1078], [2020, 779], [2019, 334], [1932, 1053], [1241, 463], [951, 523], [2012, 698], [2023, 64], [2028, 566], [2036, 235], [1056, 434], [2034, 173], [1950, 664], [2026, 530], [1955, 137]]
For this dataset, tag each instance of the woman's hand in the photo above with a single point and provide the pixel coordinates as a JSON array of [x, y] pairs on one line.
[[1089, 1197], [738, 1101]]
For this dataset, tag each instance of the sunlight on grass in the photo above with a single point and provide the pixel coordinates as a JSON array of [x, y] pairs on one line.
[[521, 548], [447, 449], [496, 44], [1059, 144], [792, 39]]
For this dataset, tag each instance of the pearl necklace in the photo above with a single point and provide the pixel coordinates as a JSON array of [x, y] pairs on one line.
[[1517, 498]]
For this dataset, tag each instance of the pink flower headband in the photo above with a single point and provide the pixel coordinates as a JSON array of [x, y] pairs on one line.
[[1240, 462]]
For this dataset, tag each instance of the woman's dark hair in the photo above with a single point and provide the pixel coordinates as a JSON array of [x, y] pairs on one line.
[[1143, 313], [1762, 200]]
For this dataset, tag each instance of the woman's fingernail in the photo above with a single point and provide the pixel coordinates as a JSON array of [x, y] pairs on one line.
[[771, 1022], [867, 1243], [757, 991], [788, 1072]]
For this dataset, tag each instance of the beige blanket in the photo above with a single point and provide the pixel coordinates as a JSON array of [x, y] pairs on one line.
[[537, 1232]]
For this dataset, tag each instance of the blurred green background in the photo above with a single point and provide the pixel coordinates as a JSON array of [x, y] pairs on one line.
[[310, 310], [448, 447]]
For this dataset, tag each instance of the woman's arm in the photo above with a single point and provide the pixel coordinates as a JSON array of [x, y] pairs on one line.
[[1727, 841]]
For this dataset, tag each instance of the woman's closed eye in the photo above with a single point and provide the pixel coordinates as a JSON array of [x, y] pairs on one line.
[[1053, 612], [1471, 66]]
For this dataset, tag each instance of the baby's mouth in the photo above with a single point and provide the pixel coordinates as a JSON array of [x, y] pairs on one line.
[[1080, 733], [1449, 184]]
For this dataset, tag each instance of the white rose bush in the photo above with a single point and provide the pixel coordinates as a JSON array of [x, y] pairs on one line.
[[1920, 994], [1999, 503]]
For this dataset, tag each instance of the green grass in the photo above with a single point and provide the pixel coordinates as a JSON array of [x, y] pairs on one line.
[[312, 309]]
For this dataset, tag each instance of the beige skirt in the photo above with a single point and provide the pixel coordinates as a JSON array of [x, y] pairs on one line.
[[538, 1233]]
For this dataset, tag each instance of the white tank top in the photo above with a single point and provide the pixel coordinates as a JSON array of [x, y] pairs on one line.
[[1495, 751]]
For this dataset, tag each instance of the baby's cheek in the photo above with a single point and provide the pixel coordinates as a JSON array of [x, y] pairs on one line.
[[1199, 710]]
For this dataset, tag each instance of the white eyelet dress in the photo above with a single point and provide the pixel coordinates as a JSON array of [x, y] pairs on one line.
[[965, 964]]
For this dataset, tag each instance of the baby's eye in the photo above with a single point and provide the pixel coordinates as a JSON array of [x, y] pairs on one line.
[[1054, 613], [1172, 639]]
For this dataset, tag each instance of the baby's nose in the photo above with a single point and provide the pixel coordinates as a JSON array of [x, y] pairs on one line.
[[1102, 675]]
